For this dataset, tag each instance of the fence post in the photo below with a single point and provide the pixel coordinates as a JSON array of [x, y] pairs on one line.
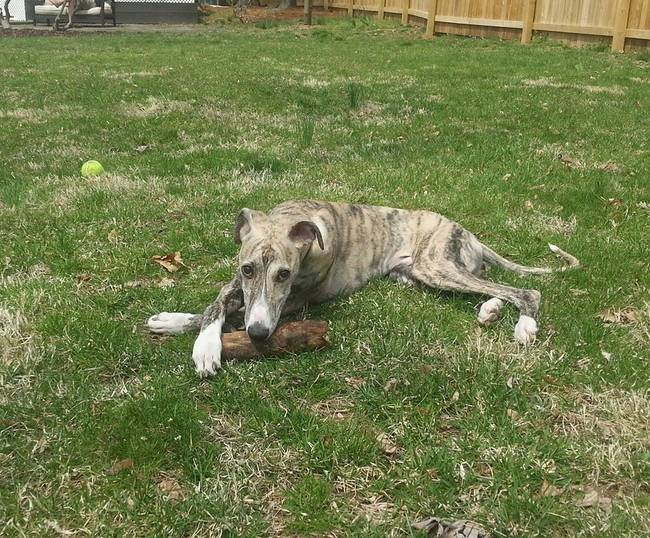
[[405, 11], [380, 12], [529, 19], [431, 18], [620, 25], [308, 11], [350, 8], [325, 5]]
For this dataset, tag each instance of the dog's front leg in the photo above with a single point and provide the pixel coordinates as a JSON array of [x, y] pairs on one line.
[[207, 347]]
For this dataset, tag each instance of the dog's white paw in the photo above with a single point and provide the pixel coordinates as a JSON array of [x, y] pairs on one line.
[[170, 323], [489, 311], [525, 330], [207, 351]]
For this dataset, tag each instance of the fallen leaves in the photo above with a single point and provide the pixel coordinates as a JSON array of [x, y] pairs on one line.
[[390, 384], [627, 316], [171, 262], [120, 466], [595, 499], [387, 445], [549, 490], [443, 529], [613, 202], [512, 414], [355, 382], [570, 162], [170, 487]]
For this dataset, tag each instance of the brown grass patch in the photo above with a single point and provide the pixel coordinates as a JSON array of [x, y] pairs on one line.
[[155, 106], [613, 425], [540, 223], [335, 408], [545, 82], [15, 338]]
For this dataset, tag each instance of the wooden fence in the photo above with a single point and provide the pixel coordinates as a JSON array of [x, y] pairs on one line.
[[572, 20]]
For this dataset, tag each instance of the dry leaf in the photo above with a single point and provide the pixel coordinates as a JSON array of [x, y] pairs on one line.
[[506, 177], [434, 526], [570, 161], [512, 414], [83, 277], [120, 466], [621, 317], [643, 205], [355, 382], [613, 202], [454, 397], [594, 499], [511, 382], [387, 445], [165, 283], [171, 262], [528, 205], [170, 487], [549, 490], [390, 384], [484, 469]]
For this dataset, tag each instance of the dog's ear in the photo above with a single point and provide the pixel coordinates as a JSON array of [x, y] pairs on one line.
[[305, 232], [244, 223]]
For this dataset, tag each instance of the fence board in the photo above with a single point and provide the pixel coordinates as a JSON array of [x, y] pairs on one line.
[[518, 19]]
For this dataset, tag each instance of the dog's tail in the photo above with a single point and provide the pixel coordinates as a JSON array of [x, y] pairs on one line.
[[492, 258]]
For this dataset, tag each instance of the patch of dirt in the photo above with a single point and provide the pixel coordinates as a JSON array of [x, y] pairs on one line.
[[36, 32]]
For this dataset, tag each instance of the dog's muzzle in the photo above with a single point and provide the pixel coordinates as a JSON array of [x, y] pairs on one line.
[[258, 332]]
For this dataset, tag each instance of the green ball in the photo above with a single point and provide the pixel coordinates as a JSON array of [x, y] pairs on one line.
[[92, 168]]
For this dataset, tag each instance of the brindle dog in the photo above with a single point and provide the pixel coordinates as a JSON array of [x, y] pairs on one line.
[[307, 251]]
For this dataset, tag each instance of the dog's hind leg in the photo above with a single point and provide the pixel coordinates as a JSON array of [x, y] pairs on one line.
[[452, 266], [458, 279]]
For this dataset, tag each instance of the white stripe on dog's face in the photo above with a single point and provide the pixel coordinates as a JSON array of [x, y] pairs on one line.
[[260, 313]]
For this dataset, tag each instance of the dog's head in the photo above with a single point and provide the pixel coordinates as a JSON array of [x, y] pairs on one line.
[[269, 261]]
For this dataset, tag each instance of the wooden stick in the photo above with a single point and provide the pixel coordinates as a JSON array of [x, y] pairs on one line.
[[292, 337]]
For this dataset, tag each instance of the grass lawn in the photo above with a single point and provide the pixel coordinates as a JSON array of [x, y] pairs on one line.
[[415, 410]]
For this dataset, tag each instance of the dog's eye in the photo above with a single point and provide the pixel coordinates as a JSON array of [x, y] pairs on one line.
[[283, 274], [247, 270]]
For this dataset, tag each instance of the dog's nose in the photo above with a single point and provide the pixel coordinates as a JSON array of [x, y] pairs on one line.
[[258, 332]]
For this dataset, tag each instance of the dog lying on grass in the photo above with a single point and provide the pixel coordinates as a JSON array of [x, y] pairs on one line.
[[304, 252]]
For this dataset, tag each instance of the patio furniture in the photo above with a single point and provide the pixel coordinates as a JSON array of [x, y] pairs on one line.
[[46, 13], [4, 14]]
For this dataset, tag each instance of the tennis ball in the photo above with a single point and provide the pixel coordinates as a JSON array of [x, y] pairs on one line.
[[92, 168]]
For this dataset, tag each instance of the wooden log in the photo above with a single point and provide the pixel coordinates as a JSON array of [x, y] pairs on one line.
[[292, 337]]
